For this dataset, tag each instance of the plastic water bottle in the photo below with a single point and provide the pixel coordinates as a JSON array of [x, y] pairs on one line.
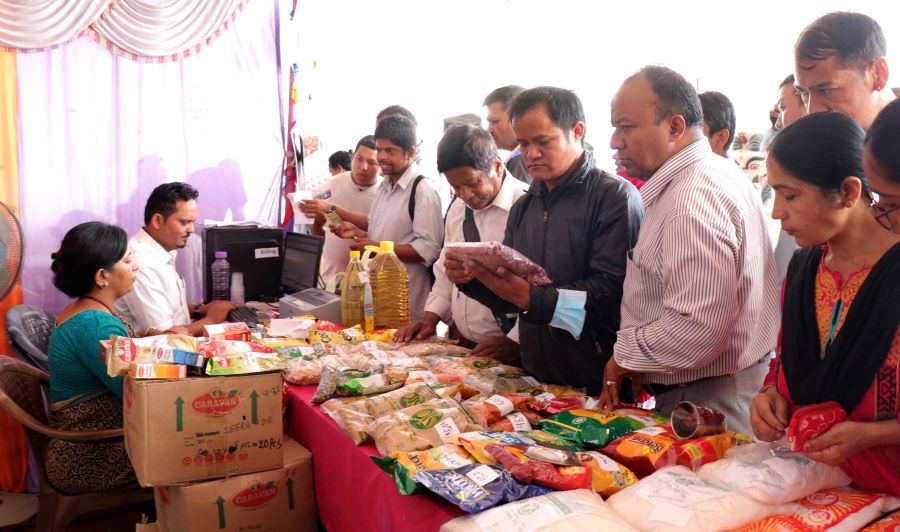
[[221, 277], [352, 294], [390, 288]]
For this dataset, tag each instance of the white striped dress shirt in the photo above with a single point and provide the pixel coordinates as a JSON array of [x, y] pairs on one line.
[[700, 295]]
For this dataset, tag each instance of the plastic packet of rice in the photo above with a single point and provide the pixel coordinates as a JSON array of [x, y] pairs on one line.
[[492, 255]]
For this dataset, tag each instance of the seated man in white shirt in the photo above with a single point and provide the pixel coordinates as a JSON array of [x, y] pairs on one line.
[[485, 192], [158, 303]]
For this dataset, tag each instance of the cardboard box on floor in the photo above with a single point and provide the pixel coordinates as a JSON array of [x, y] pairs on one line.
[[204, 427], [277, 500]]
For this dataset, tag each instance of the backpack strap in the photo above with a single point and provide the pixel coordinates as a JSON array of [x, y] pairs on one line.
[[412, 198]]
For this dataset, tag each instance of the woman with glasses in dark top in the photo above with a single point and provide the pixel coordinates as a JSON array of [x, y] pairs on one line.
[[840, 317], [881, 160]]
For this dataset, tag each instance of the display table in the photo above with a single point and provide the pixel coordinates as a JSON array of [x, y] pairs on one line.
[[352, 493]]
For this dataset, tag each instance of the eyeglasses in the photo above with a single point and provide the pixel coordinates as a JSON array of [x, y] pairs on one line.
[[881, 213]]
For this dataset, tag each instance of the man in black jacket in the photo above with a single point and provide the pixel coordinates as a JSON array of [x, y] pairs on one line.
[[576, 221]]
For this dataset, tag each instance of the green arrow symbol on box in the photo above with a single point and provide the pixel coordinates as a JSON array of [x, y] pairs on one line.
[[253, 397], [220, 502], [290, 486], [179, 416]]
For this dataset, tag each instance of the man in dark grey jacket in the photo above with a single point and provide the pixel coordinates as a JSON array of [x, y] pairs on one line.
[[576, 221]]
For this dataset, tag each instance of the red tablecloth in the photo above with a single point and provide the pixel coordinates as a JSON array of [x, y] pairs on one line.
[[352, 493]]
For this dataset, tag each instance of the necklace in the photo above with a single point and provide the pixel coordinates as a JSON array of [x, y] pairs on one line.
[[115, 315]]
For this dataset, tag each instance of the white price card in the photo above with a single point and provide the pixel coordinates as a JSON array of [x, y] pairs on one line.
[[369, 346], [380, 355], [446, 427], [426, 376], [483, 475], [454, 461], [502, 403], [519, 422], [546, 396], [606, 464]]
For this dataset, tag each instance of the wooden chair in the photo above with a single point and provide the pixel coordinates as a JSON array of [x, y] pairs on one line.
[[22, 396]]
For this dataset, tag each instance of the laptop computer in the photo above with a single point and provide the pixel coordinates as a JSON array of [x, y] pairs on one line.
[[299, 280]]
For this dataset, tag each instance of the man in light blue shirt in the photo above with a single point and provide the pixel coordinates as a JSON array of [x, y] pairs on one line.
[[406, 210]]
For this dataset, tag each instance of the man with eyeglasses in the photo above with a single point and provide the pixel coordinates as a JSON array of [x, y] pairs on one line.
[[485, 193]]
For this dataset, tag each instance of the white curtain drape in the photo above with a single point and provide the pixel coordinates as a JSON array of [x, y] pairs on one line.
[[36, 24], [98, 132], [138, 29], [152, 30]]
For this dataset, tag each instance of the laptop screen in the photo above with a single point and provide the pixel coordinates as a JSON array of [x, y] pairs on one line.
[[302, 254]]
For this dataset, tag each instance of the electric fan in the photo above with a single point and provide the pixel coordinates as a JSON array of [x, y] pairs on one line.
[[11, 250]]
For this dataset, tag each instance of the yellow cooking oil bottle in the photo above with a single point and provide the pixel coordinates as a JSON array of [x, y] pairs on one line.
[[353, 293], [390, 288]]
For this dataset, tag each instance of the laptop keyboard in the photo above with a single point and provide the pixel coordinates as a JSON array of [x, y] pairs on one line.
[[247, 315]]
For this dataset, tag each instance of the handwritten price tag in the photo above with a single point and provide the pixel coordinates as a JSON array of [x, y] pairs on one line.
[[502, 403], [483, 475], [454, 461], [447, 427], [519, 422]]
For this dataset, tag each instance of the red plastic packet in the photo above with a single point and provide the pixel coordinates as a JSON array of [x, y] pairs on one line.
[[529, 471], [813, 420]]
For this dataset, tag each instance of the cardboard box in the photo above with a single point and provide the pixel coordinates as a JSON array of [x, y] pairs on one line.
[[203, 427], [277, 500]]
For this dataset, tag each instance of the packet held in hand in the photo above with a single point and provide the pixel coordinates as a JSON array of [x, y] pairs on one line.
[[492, 255], [813, 420]]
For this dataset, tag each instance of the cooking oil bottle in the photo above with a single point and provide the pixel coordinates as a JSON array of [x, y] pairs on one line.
[[352, 294], [390, 288]]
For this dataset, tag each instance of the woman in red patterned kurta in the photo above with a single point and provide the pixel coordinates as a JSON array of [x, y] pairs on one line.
[[839, 339]]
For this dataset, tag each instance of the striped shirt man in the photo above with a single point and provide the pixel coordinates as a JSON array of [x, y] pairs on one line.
[[700, 295]]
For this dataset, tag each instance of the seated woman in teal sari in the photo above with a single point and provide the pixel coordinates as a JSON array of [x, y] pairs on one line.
[[93, 265]]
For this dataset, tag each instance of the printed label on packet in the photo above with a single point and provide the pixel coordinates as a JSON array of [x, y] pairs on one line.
[[519, 422], [606, 464], [454, 461], [651, 431], [446, 427], [643, 420], [483, 475], [426, 376], [369, 346], [502, 403], [380, 356]]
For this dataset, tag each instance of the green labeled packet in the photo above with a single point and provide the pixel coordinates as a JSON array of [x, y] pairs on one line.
[[597, 428]]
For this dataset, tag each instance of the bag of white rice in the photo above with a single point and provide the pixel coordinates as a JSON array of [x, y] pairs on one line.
[[754, 471], [675, 498], [566, 511]]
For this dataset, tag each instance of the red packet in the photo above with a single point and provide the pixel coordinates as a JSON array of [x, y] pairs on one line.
[[813, 420]]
